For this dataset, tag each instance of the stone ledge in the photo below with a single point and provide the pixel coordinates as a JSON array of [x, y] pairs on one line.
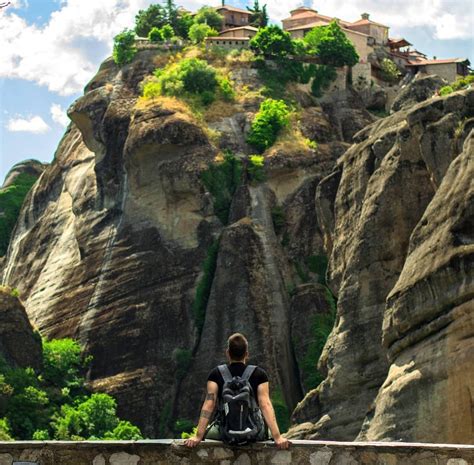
[[163, 452]]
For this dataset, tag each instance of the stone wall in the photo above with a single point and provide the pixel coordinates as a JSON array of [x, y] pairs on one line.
[[164, 452]]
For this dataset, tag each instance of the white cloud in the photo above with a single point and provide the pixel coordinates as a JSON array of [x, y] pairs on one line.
[[448, 19], [33, 124], [64, 54], [59, 115]]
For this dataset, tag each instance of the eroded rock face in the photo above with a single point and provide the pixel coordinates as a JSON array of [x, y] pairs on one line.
[[429, 321], [110, 246], [30, 167], [401, 265], [19, 346], [418, 90]]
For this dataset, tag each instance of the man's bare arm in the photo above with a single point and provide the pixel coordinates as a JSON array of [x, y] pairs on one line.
[[269, 414], [207, 410]]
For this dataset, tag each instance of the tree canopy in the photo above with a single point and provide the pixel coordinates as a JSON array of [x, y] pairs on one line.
[[199, 31], [154, 16], [259, 17], [272, 42], [208, 15], [331, 45]]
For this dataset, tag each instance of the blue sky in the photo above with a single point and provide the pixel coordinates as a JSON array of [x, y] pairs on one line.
[[51, 48]]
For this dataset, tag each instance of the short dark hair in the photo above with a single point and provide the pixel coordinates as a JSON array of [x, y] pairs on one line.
[[237, 346]]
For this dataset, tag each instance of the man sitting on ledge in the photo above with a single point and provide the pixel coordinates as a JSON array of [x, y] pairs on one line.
[[232, 387]]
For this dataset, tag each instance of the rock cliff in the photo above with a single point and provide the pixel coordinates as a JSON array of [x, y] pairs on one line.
[[19, 345], [399, 359], [119, 237], [120, 245]]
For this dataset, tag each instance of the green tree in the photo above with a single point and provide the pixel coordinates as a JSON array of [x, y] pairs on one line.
[[183, 24], [198, 32], [189, 75], [272, 42], [5, 432], [167, 32], [27, 411], [62, 363], [259, 17], [98, 414], [124, 47], [390, 71], [124, 431], [331, 45], [272, 116], [155, 35], [154, 16], [171, 13], [208, 15]]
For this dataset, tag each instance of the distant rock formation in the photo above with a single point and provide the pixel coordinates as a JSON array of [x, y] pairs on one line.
[[30, 167], [19, 346], [17, 184], [400, 358]]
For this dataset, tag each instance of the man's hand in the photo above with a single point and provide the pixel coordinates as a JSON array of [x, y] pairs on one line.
[[192, 442], [282, 443]]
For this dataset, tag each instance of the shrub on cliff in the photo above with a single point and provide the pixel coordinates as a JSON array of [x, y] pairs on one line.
[[189, 75], [272, 42], [221, 181], [124, 47], [209, 16], [331, 45], [11, 200], [146, 20], [155, 35], [390, 71], [198, 32], [272, 116], [322, 79]]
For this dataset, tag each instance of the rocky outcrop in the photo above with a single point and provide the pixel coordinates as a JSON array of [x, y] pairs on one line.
[[19, 346], [431, 350], [31, 167], [18, 183], [401, 273], [347, 114], [418, 90], [114, 244]]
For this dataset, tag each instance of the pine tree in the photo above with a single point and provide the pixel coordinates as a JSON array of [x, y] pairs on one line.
[[259, 17]]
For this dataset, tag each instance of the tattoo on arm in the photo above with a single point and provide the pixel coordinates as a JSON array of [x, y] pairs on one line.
[[206, 414], [210, 396]]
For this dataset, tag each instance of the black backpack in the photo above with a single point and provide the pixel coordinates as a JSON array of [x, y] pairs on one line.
[[239, 417]]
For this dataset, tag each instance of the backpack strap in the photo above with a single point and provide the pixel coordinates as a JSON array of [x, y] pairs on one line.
[[248, 372], [225, 372]]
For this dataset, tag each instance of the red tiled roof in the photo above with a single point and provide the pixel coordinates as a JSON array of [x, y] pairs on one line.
[[364, 22], [318, 23], [316, 15], [399, 42], [233, 8]]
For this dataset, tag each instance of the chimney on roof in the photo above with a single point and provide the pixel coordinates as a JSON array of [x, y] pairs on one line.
[[365, 16]]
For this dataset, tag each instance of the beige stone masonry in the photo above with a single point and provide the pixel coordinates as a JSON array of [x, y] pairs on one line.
[[164, 452]]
